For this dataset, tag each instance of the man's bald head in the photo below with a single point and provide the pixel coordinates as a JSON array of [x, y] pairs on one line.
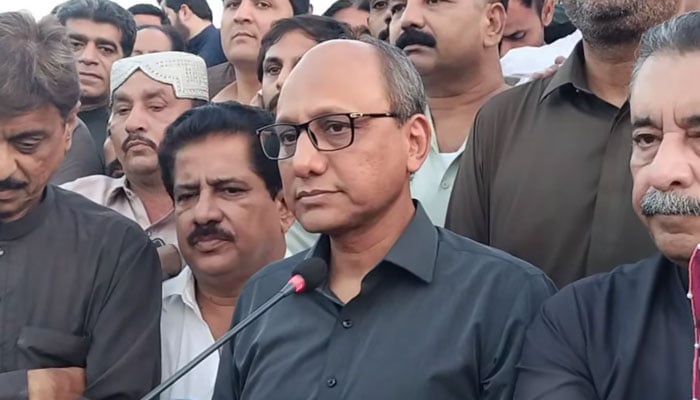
[[365, 68]]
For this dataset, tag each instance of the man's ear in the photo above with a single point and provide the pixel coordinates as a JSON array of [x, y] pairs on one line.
[[495, 24], [547, 14], [71, 125], [286, 216], [420, 131]]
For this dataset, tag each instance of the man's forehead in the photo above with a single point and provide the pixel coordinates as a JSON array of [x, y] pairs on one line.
[[45, 118], [93, 30]]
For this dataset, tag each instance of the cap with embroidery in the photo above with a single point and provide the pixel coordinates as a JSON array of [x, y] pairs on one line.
[[185, 72]]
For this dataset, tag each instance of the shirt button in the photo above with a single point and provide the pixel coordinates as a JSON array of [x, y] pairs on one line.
[[2, 252], [347, 324], [445, 185], [331, 382], [149, 233]]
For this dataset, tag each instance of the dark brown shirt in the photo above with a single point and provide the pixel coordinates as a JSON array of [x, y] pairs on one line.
[[219, 77], [545, 176]]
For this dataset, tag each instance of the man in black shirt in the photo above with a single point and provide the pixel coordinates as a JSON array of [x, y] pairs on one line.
[[629, 334], [101, 32], [79, 284], [193, 20], [409, 311]]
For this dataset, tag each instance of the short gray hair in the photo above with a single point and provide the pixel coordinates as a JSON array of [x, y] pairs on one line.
[[403, 84], [679, 35], [39, 67]]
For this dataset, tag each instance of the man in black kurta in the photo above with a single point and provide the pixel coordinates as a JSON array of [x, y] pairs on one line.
[[629, 334], [79, 284]]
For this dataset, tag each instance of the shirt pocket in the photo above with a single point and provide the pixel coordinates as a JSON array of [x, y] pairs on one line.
[[49, 348]]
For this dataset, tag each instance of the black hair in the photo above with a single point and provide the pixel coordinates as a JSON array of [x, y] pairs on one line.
[[338, 6], [227, 119], [177, 43], [102, 11], [536, 4], [317, 28], [149, 9], [200, 8], [363, 5]]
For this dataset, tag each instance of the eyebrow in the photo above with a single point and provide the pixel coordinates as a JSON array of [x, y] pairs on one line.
[[644, 122], [217, 182], [98, 41], [319, 112], [692, 121], [120, 97], [271, 60], [34, 133]]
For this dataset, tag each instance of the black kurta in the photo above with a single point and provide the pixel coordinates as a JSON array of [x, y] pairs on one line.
[[79, 287], [441, 317], [623, 335], [545, 176]]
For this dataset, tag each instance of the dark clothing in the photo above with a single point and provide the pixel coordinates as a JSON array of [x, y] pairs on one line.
[[79, 287], [219, 77], [207, 44], [96, 121], [623, 335], [81, 160], [545, 176], [440, 317]]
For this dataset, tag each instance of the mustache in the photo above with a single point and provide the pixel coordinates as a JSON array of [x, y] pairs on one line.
[[656, 202], [140, 138], [414, 36], [12, 184], [211, 230], [383, 35]]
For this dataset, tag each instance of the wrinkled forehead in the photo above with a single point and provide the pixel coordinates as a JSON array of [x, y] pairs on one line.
[[663, 92], [333, 77]]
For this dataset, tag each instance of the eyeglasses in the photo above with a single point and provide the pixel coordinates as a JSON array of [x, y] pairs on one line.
[[329, 132]]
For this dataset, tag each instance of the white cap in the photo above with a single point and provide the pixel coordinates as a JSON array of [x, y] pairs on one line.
[[185, 72]]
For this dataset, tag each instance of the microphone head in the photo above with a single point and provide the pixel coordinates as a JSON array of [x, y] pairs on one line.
[[313, 271]]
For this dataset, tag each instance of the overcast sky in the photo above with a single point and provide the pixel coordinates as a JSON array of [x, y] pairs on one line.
[[42, 7]]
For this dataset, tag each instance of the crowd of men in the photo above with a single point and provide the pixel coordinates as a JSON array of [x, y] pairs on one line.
[[506, 194]]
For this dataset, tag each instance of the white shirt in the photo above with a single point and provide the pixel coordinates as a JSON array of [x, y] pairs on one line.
[[522, 62], [185, 334]]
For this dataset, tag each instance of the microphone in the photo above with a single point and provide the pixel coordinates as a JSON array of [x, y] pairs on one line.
[[306, 276]]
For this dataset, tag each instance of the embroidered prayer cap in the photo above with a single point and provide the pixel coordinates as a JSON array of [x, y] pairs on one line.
[[185, 72]]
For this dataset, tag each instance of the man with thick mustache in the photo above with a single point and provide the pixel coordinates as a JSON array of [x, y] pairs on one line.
[[148, 93], [633, 333], [544, 175], [454, 46], [231, 220]]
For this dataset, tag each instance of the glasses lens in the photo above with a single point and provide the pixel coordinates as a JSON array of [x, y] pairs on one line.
[[278, 141], [332, 132]]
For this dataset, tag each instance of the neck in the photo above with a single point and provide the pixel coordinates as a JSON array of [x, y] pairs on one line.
[[197, 28], [355, 253], [246, 82], [454, 103], [609, 71], [153, 195], [212, 293]]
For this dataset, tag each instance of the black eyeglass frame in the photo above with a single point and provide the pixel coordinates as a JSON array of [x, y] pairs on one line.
[[304, 127]]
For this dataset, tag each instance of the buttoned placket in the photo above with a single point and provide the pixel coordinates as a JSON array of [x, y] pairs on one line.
[[694, 298]]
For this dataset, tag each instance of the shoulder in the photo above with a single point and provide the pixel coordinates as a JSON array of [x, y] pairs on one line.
[[268, 281], [510, 101], [468, 256], [624, 284], [95, 187], [92, 220]]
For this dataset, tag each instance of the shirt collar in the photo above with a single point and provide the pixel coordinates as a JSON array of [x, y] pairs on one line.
[[415, 250], [571, 73], [32, 220], [197, 43], [118, 187], [181, 286]]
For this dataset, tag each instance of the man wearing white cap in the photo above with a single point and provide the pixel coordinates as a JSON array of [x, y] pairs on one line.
[[147, 93]]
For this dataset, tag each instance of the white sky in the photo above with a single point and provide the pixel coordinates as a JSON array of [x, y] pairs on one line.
[[42, 7]]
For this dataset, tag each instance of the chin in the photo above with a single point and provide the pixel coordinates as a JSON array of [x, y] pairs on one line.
[[676, 246], [317, 222], [213, 265]]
